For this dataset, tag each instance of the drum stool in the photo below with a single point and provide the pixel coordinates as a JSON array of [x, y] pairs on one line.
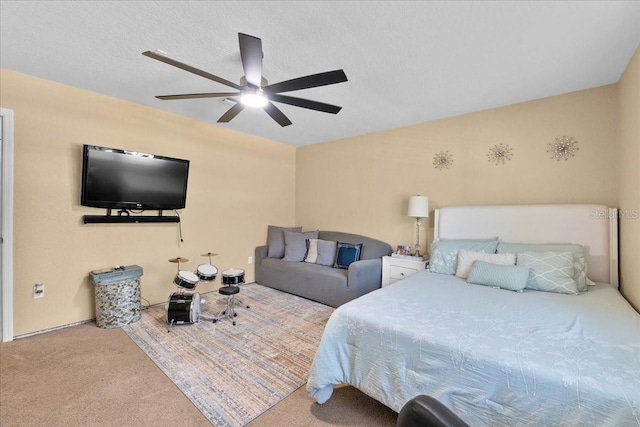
[[228, 312], [234, 277]]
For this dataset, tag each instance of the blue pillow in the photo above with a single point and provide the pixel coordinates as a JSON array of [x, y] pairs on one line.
[[444, 253], [347, 253], [550, 271], [509, 277], [579, 263]]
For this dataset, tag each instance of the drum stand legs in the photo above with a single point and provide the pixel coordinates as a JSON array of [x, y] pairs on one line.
[[237, 302], [229, 311]]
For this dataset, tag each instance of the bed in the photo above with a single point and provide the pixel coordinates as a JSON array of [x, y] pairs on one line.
[[493, 356]]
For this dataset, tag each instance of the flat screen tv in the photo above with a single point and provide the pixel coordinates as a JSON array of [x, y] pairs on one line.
[[128, 180]]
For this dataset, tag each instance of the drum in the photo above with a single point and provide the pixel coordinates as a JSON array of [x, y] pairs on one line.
[[207, 272], [233, 276], [183, 308], [186, 279]]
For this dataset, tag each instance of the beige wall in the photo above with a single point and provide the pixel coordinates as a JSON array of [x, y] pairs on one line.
[[238, 184], [363, 184], [628, 167]]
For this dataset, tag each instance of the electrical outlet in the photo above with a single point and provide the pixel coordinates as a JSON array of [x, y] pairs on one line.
[[250, 260], [38, 290]]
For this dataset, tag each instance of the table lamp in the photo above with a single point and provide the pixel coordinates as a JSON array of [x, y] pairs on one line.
[[418, 208]]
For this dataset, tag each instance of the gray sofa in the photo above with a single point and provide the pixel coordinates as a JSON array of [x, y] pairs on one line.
[[327, 285]]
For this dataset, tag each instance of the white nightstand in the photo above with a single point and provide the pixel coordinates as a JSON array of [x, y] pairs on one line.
[[394, 269]]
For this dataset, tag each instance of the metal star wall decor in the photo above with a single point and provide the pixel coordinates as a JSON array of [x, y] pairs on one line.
[[442, 160], [499, 154], [562, 148]]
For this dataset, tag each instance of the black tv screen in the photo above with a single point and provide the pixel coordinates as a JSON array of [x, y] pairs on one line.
[[120, 179]]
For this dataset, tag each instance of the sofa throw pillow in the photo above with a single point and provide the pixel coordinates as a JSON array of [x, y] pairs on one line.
[[510, 277], [467, 259], [326, 252], [444, 252], [579, 262], [275, 240], [295, 244], [347, 253], [550, 271], [312, 251]]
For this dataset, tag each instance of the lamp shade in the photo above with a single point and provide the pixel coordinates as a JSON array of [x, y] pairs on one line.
[[418, 207]]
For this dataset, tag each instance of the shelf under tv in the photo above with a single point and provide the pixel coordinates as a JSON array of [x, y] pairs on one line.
[[131, 219]]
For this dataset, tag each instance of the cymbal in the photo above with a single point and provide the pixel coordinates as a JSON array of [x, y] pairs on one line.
[[178, 259], [209, 254]]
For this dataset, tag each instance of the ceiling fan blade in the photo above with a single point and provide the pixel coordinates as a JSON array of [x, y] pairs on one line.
[[314, 80], [305, 103], [251, 55], [198, 95], [231, 113], [190, 69], [277, 115]]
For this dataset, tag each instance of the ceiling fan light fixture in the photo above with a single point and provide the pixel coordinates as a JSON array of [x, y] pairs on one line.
[[250, 90], [254, 99]]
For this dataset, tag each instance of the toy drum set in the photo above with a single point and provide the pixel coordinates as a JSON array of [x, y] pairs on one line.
[[184, 307]]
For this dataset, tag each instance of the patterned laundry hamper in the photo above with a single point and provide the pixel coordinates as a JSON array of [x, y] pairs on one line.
[[117, 296]]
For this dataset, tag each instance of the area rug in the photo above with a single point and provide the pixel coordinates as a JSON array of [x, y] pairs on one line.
[[232, 374]]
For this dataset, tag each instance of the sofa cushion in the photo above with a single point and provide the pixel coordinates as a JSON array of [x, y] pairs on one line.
[[313, 281], [275, 240], [295, 244], [326, 252], [347, 253]]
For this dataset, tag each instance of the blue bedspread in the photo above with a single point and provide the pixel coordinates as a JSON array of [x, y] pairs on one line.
[[494, 357]]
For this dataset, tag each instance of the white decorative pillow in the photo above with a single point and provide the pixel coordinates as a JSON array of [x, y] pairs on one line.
[[467, 258], [550, 271], [444, 252], [312, 251]]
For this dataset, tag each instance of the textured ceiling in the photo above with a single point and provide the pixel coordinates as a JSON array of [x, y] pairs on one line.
[[407, 62]]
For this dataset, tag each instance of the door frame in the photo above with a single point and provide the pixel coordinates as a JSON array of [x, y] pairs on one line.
[[6, 290]]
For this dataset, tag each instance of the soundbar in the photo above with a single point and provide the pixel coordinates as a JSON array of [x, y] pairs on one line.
[[104, 219]]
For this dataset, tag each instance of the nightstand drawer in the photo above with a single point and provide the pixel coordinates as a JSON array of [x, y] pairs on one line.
[[398, 272], [394, 269]]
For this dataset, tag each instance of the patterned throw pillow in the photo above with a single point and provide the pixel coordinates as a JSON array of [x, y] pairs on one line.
[[467, 259], [510, 277], [579, 262], [444, 253], [550, 271]]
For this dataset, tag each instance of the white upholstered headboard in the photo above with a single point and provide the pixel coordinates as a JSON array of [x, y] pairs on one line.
[[593, 226]]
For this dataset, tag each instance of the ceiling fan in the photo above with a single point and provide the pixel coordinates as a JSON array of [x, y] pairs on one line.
[[254, 90]]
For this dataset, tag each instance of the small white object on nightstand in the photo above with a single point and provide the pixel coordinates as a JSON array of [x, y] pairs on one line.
[[394, 269]]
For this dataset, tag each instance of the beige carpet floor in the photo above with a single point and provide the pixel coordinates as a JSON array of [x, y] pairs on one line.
[[88, 376]]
